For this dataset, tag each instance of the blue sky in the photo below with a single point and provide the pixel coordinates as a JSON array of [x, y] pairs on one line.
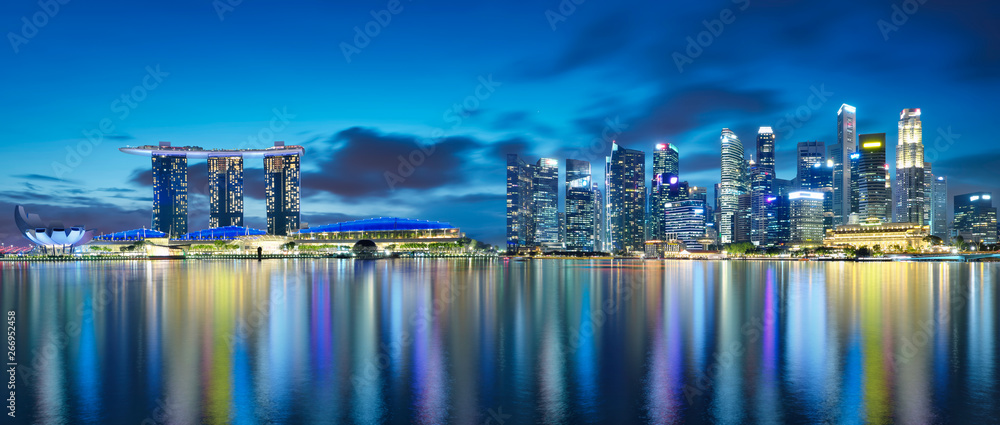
[[467, 82]]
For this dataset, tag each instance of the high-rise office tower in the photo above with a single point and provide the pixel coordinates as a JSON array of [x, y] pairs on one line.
[[908, 192], [939, 208], [841, 154], [665, 171], [686, 220], [928, 195], [598, 216], [170, 188], [579, 206], [733, 183], [808, 154], [976, 218], [545, 200], [855, 163], [520, 234], [627, 199], [806, 217], [779, 221], [873, 191], [743, 218], [225, 191], [819, 178], [282, 192], [762, 182]]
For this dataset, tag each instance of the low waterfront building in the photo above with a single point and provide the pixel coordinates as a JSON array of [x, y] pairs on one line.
[[383, 231], [902, 236]]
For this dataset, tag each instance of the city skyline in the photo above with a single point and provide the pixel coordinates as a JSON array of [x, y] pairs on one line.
[[554, 108]]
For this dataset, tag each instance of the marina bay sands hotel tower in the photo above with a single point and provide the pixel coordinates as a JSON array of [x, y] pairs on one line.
[[282, 170]]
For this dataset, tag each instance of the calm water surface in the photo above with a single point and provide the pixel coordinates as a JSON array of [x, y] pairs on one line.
[[490, 341]]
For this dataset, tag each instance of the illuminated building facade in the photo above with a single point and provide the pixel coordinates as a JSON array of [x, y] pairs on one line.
[[545, 201], [665, 175], [733, 184], [686, 221], [170, 194], [840, 153], [580, 206], [908, 192], [976, 218], [873, 187], [626, 208], [225, 191], [939, 208], [282, 193], [805, 210], [778, 220], [762, 182], [888, 236], [807, 155], [519, 200]]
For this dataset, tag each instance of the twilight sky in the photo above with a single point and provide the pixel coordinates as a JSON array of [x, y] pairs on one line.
[[457, 85]]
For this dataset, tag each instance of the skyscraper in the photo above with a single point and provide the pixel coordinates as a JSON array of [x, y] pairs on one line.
[[743, 218], [579, 206], [733, 183], [545, 200], [908, 192], [779, 221], [627, 199], [170, 188], [873, 190], [225, 191], [976, 217], [665, 172], [819, 178], [939, 208], [841, 154], [762, 185], [808, 154], [598, 216], [282, 192], [928, 195], [519, 201], [806, 218]]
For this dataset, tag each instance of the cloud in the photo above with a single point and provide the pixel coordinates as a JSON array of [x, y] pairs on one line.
[[40, 178], [600, 40], [369, 163]]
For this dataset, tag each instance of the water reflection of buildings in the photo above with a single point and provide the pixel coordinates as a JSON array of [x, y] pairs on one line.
[[362, 341]]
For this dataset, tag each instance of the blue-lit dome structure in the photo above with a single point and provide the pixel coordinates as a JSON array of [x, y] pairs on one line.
[[51, 236], [227, 233], [380, 224], [133, 235]]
